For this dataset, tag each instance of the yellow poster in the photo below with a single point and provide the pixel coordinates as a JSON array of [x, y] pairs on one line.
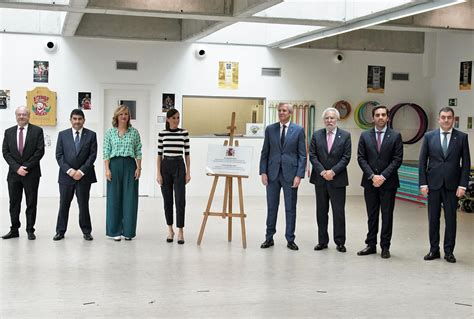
[[229, 75], [42, 104]]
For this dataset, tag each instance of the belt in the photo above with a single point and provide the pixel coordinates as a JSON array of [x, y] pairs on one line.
[[173, 158]]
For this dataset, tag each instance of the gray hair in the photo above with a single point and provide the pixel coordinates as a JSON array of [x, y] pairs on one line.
[[22, 107], [331, 109], [288, 105]]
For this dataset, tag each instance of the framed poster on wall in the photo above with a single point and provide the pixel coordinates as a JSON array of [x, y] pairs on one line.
[[376, 79], [465, 75]]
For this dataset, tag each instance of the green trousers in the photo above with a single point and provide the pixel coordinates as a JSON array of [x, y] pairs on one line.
[[122, 198]]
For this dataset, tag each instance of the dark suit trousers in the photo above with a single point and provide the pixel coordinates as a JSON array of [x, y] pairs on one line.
[[449, 200], [337, 196], [173, 172], [66, 193], [379, 199], [273, 202], [15, 192]]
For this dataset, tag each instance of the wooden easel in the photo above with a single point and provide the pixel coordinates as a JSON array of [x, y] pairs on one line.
[[227, 205]]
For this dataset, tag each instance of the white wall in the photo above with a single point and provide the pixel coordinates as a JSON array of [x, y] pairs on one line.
[[89, 65], [451, 49]]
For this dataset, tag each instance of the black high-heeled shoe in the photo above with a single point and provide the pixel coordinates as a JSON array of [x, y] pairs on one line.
[[170, 239]]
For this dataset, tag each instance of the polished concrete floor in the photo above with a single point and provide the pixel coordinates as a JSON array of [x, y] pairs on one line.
[[149, 278]]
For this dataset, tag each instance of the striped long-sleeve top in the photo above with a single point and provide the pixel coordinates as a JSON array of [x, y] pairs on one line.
[[173, 142]]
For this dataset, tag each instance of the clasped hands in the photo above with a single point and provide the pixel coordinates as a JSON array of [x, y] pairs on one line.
[[75, 174], [328, 174], [377, 180], [22, 171]]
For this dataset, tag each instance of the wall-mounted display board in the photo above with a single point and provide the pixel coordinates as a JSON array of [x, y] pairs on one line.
[[465, 75], [43, 106], [376, 79], [228, 75], [4, 99]]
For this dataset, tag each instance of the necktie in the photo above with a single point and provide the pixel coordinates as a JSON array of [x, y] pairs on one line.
[[379, 140], [445, 143], [330, 140], [77, 142], [282, 137], [20, 141]]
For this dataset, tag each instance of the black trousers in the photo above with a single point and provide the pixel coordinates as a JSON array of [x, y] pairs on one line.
[[337, 196], [449, 200], [173, 172], [66, 193], [379, 200], [15, 191]]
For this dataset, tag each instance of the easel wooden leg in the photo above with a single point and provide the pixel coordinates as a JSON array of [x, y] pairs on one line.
[[226, 194], [242, 214], [229, 221], [208, 208]]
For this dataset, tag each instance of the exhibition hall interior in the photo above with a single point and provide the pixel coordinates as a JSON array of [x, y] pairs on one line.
[[228, 72]]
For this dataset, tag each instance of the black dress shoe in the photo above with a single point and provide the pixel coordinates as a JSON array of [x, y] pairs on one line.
[[88, 237], [367, 251], [267, 243], [180, 241], [450, 258], [291, 245], [385, 253], [320, 246], [31, 236], [341, 248], [59, 237], [432, 256], [11, 234]]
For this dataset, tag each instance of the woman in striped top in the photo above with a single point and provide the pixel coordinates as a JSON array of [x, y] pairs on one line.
[[172, 173]]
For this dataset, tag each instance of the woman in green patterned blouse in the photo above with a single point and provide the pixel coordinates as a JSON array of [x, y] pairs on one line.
[[123, 159]]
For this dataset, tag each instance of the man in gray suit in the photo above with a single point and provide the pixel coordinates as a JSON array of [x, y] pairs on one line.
[[445, 162], [76, 152], [330, 153], [282, 165]]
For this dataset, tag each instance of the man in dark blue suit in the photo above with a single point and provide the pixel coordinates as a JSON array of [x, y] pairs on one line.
[[445, 162], [23, 148], [330, 153], [76, 151], [282, 165], [380, 154]]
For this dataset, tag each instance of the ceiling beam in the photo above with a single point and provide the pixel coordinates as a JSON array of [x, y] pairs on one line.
[[72, 20]]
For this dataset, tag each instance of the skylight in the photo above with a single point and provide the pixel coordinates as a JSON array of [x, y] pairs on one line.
[[31, 21], [330, 10], [251, 33]]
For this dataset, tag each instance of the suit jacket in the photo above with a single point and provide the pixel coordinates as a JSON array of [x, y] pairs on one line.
[[84, 160], [436, 170], [33, 151], [336, 160], [385, 163], [291, 157]]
